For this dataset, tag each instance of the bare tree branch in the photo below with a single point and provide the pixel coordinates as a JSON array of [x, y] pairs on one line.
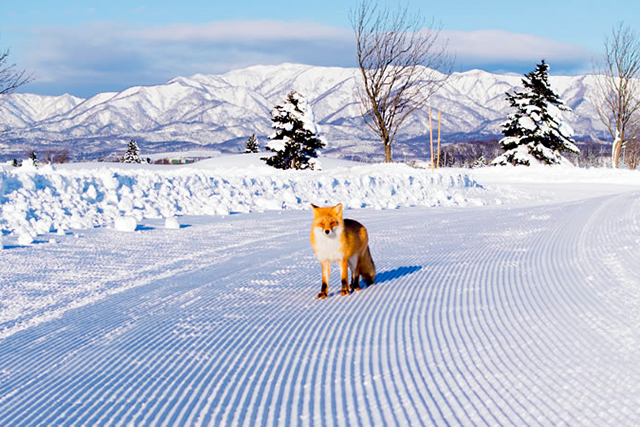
[[10, 77], [618, 88], [402, 63]]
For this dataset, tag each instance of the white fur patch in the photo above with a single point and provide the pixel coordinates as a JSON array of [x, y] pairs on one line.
[[327, 246], [353, 261]]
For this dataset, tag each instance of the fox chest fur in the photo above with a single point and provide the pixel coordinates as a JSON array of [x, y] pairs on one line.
[[328, 247]]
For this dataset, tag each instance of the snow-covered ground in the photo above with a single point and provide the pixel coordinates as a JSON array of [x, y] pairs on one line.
[[504, 296]]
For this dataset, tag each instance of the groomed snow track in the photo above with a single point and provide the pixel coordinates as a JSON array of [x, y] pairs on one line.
[[481, 316]]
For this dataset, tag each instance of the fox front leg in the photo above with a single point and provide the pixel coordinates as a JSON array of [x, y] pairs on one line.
[[355, 283], [326, 272]]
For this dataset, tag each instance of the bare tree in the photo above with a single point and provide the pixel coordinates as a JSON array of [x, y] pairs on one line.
[[618, 87], [57, 156], [402, 63], [10, 77]]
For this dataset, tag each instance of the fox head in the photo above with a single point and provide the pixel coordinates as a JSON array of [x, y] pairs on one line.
[[327, 219]]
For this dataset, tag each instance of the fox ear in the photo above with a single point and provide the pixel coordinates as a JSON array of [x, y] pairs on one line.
[[314, 206], [337, 209]]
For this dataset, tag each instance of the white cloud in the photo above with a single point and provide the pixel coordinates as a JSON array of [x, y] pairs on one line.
[[242, 31], [110, 56], [495, 46]]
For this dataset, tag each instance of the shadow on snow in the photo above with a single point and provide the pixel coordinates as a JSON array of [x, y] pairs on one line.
[[387, 275]]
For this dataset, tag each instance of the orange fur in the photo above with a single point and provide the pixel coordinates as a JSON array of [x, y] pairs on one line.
[[344, 242]]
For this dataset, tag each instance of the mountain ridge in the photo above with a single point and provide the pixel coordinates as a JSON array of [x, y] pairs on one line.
[[222, 111]]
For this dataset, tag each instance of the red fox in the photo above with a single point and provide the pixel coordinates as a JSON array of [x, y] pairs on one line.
[[341, 241]]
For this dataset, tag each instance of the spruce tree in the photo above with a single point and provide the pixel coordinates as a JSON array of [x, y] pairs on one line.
[[535, 132], [252, 145], [294, 140], [34, 158], [133, 153]]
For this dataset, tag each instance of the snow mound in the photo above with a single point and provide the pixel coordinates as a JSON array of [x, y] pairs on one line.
[[125, 223], [171, 223], [42, 200], [25, 239]]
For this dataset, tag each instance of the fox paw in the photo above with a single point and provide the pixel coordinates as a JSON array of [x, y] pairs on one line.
[[322, 295], [344, 292]]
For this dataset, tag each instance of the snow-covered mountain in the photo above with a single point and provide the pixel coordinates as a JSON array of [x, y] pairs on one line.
[[222, 111]]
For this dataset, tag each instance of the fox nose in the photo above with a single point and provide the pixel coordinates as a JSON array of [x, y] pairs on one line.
[[327, 231]]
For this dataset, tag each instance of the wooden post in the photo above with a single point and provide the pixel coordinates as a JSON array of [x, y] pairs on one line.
[[431, 137], [438, 160]]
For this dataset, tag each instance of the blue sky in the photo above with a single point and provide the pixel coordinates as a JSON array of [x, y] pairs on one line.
[[84, 47]]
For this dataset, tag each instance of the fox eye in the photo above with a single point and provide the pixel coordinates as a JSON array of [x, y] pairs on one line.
[[333, 224]]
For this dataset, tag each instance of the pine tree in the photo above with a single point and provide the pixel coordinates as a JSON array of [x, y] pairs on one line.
[[294, 140], [535, 132], [133, 153], [34, 158], [252, 145]]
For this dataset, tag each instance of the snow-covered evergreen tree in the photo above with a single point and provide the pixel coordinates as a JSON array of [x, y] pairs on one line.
[[535, 132], [295, 139], [133, 153], [252, 145]]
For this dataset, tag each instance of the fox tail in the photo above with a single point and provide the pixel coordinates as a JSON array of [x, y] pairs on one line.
[[368, 268]]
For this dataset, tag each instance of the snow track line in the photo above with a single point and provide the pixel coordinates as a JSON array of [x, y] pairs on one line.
[[531, 319], [566, 302], [458, 328], [475, 332]]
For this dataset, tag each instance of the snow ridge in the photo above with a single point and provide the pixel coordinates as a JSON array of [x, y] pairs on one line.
[[36, 201]]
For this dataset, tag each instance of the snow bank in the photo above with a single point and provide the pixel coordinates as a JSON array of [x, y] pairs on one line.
[[36, 201], [565, 173]]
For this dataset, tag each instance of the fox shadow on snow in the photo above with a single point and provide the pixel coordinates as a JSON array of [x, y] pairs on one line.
[[387, 275]]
